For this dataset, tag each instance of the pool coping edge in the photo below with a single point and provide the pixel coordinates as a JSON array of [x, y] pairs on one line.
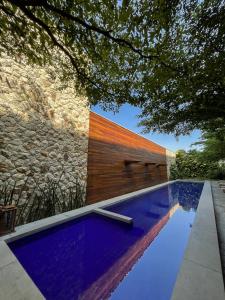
[[200, 276], [33, 227]]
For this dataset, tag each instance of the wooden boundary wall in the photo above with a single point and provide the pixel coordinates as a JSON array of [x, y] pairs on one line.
[[120, 161]]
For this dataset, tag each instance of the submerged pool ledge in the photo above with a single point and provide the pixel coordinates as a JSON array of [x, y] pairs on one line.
[[114, 216], [200, 276]]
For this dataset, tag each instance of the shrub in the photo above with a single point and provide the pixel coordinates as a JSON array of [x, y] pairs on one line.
[[218, 173], [189, 165]]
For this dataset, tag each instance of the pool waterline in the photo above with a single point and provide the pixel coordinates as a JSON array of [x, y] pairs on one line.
[[151, 221]]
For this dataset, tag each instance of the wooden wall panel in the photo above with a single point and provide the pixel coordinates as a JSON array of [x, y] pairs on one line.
[[110, 145]]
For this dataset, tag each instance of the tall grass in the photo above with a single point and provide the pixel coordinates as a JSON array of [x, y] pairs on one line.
[[42, 199]]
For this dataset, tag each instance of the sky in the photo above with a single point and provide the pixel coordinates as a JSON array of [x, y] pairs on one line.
[[127, 117]]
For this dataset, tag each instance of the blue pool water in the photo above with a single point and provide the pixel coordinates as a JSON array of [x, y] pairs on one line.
[[94, 257]]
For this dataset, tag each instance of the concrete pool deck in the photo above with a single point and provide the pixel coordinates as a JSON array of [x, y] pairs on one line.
[[200, 276]]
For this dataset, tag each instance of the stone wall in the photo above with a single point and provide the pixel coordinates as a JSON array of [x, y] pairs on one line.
[[43, 125], [170, 159]]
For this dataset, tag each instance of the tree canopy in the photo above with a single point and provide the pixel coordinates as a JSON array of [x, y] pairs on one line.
[[213, 146], [165, 56]]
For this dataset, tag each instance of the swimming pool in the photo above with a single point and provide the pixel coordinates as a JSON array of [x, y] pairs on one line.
[[94, 257]]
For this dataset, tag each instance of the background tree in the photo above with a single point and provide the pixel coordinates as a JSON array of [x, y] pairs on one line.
[[165, 56], [208, 162], [213, 143], [189, 165]]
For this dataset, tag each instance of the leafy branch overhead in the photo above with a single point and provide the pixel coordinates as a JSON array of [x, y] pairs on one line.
[[165, 56]]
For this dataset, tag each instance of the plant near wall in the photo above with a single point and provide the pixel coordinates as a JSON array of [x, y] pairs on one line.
[[44, 199]]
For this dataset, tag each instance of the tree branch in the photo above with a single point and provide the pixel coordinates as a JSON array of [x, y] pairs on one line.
[[106, 33], [55, 42]]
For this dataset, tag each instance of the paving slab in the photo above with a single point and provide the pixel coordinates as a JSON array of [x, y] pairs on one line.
[[14, 281], [196, 282], [201, 249]]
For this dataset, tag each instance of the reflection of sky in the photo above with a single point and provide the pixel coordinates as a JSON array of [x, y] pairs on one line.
[[127, 117], [155, 272]]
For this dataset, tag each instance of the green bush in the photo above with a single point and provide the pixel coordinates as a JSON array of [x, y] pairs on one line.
[[218, 173], [189, 165]]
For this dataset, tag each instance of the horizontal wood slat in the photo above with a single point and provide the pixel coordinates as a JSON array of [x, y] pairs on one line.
[[110, 148]]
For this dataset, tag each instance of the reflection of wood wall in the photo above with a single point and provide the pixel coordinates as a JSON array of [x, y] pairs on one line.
[[110, 145]]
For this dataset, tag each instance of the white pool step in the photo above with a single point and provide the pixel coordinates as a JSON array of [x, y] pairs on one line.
[[113, 215]]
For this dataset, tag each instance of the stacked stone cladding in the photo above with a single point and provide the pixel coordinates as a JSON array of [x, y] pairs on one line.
[[44, 125]]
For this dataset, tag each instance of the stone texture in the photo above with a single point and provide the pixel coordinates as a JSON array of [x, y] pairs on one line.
[[44, 124]]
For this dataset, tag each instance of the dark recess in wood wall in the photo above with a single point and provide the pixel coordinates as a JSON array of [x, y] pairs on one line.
[[120, 161]]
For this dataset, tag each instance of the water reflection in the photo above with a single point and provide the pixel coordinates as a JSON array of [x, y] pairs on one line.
[[94, 257], [187, 194]]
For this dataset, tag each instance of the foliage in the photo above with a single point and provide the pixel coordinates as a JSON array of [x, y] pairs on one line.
[[213, 142], [188, 165], [43, 200], [218, 173], [193, 164], [209, 162], [165, 56]]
